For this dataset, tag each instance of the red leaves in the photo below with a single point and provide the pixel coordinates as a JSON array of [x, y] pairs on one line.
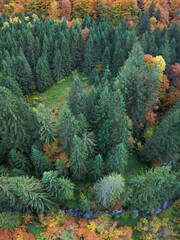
[[66, 9], [175, 75]]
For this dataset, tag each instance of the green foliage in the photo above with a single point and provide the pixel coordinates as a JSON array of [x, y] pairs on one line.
[[79, 156], [41, 163], [85, 205], [152, 187], [61, 167], [48, 128], [18, 161], [67, 235], [117, 159], [60, 189], [9, 220], [97, 168], [109, 189]]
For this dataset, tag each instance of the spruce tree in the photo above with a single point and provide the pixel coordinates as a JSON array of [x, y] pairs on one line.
[[117, 159], [41, 163], [59, 188], [48, 128], [67, 125], [89, 63], [118, 60], [94, 76], [79, 159], [144, 23], [152, 9], [106, 59], [43, 75], [152, 187], [158, 15], [66, 56], [165, 142], [82, 106], [97, 168], [58, 71]]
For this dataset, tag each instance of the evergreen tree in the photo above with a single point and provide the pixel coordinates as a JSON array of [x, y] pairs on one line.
[[136, 81], [89, 63], [18, 161], [48, 128], [66, 56], [61, 168], [152, 9], [158, 15], [109, 189], [106, 59], [67, 125], [118, 60], [58, 70], [97, 168], [117, 159], [60, 189], [43, 75], [144, 23], [152, 187], [94, 76], [165, 142], [79, 155], [41, 163], [82, 106], [74, 95]]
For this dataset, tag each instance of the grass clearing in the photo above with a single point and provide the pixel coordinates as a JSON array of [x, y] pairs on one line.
[[57, 95]]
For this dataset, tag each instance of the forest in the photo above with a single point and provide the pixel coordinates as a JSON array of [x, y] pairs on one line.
[[89, 120]]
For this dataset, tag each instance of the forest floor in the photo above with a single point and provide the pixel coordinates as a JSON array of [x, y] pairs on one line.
[[57, 95]]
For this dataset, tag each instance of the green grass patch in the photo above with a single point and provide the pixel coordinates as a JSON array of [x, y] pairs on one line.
[[57, 95]]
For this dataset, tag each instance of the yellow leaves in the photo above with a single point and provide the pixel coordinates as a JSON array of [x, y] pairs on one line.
[[5, 25]]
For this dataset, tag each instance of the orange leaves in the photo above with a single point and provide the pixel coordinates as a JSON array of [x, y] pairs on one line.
[[16, 234], [149, 60], [52, 151], [175, 75], [87, 234], [66, 9]]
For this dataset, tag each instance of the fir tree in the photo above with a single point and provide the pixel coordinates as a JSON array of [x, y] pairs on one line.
[[48, 128], [97, 168], [66, 56], [152, 187], [89, 63], [106, 59], [57, 66], [60, 189], [43, 75], [67, 125], [41, 163], [152, 9], [79, 159], [158, 15]]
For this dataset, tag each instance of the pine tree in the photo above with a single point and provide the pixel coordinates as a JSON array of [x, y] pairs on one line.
[[152, 187], [79, 154], [67, 125], [48, 128], [41, 163], [43, 75], [74, 95], [60, 189]]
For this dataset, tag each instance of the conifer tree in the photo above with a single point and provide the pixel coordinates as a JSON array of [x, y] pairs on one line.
[[109, 189], [89, 63], [82, 106], [59, 188], [158, 15], [18, 161], [152, 9], [118, 60], [43, 75], [136, 82], [41, 163], [165, 142], [144, 23], [58, 71], [94, 76], [79, 159], [66, 56], [152, 187], [117, 159], [97, 168], [48, 128], [106, 59], [67, 125]]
